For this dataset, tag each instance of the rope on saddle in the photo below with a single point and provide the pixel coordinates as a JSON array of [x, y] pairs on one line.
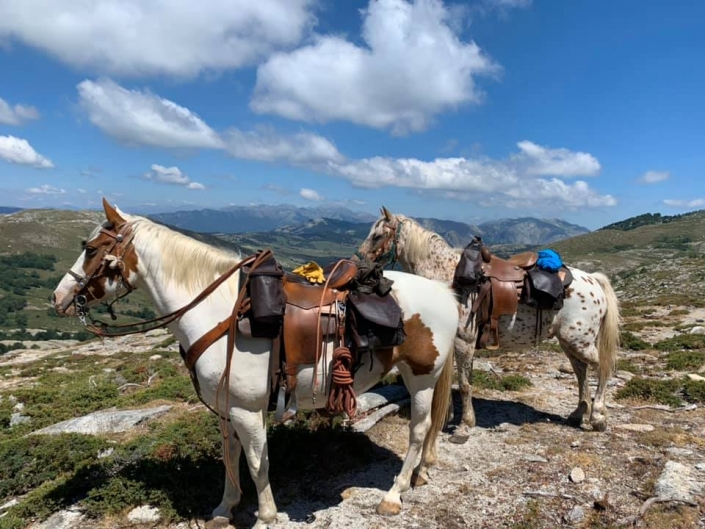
[[342, 395]]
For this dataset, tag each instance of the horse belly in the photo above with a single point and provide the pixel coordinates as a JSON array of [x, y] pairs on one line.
[[520, 330], [366, 376]]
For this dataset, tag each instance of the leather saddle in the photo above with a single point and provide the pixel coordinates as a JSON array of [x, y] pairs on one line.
[[313, 315], [501, 285]]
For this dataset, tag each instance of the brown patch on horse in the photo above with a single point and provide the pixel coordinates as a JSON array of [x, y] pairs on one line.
[[568, 292], [418, 349]]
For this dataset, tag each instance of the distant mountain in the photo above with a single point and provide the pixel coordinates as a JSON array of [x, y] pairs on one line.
[[526, 231], [244, 219], [4, 210]]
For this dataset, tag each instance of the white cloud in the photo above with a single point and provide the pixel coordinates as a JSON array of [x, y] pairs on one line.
[[267, 145], [82, 191], [310, 194], [142, 118], [514, 182], [161, 37], [16, 115], [686, 204], [19, 151], [653, 177], [171, 176], [539, 160], [46, 189], [412, 67]]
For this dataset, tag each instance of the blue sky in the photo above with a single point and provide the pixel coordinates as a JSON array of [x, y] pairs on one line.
[[587, 111]]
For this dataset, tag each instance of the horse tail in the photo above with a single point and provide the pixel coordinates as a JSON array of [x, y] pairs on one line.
[[609, 335], [440, 405]]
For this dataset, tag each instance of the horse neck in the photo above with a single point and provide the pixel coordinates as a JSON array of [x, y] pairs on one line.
[[438, 263], [170, 294]]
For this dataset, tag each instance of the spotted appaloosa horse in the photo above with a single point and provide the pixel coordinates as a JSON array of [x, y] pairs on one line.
[[587, 327], [129, 252]]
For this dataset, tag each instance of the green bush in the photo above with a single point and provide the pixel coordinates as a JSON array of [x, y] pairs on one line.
[[633, 342], [682, 341], [685, 360]]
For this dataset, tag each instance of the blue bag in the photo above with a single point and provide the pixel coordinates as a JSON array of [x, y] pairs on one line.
[[549, 260]]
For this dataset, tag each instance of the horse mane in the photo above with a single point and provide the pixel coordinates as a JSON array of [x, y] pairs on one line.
[[182, 259], [417, 241]]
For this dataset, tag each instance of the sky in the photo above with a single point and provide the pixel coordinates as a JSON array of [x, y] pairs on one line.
[[588, 111]]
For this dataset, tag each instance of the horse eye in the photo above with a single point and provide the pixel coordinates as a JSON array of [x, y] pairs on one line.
[[90, 251]]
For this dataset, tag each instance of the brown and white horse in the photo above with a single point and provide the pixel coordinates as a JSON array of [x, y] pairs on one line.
[[587, 327], [128, 252]]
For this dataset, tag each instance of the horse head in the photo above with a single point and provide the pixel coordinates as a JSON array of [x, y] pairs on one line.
[[380, 246], [106, 267]]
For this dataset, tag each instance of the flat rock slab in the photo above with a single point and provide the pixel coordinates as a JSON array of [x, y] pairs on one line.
[[677, 482], [380, 396], [106, 421]]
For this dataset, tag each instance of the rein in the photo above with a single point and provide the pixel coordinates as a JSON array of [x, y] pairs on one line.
[[388, 250]]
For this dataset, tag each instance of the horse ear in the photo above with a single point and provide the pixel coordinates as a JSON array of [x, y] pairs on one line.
[[387, 214], [112, 215]]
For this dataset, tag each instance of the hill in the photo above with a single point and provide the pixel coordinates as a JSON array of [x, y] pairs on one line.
[[4, 210], [647, 219]]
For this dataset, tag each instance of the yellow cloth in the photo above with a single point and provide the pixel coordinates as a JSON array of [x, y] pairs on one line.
[[311, 271]]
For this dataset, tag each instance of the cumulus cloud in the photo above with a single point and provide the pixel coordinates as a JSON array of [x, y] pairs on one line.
[[171, 176], [142, 118], [310, 194], [685, 204], [46, 189], [138, 38], [267, 145], [653, 177], [539, 160], [19, 151], [411, 67], [17, 114], [515, 182]]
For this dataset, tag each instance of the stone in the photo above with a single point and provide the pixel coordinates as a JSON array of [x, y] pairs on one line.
[[17, 419], [635, 427], [624, 375], [576, 515], [66, 519], [155, 357], [106, 421], [577, 475], [675, 451], [677, 482], [696, 378], [697, 330], [380, 396], [535, 459], [575, 444], [144, 514], [700, 466], [9, 504]]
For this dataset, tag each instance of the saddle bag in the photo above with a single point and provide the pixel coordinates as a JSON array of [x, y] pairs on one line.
[[267, 298], [374, 321], [545, 290], [468, 272]]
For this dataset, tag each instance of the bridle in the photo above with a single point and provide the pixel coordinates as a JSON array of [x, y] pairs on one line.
[[387, 251], [113, 258]]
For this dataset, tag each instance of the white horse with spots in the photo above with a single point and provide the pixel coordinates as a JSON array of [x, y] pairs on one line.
[[587, 327], [128, 252]]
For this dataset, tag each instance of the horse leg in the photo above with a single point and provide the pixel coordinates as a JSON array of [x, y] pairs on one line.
[[598, 417], [580, 368], [421, 400], [231, 493], [251, 428], [464, 353]]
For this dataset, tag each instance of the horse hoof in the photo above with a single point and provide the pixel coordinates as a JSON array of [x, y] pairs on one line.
[[388, 508], [417, 480], [219, 522], [459, 438], [599, 426]]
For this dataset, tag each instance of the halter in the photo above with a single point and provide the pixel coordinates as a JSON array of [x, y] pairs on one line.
[[388, 249]]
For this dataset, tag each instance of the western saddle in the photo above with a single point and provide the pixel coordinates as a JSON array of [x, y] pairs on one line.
[[500, 285]]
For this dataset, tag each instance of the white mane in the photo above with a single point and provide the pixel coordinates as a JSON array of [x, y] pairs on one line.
[[417, 240], [181, 259]]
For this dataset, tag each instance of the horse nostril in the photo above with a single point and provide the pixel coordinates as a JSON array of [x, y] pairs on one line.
[[53, 299]]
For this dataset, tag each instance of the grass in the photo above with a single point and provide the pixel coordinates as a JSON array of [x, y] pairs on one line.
[[631, 341], [485, 380], [685, 360], [682, 341], [671, 392]]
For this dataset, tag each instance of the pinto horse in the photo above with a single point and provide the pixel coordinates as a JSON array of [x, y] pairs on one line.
[[587, 327], [128, 252]]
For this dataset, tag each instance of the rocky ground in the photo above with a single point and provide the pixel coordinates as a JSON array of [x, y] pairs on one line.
[[522, 467]]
